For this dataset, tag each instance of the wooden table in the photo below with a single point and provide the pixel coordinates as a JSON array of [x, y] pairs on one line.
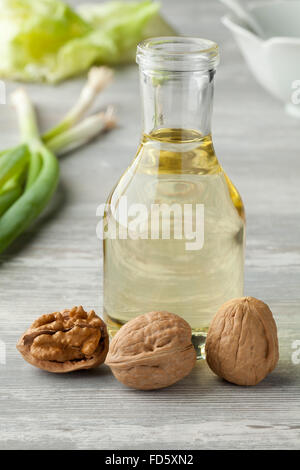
[[57, 264]]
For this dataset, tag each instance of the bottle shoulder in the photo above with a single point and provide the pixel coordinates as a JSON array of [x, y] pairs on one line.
[[177, 167]]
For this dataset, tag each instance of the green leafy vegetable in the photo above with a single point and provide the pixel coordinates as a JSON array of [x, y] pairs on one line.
[[45, 40], [126, 24]]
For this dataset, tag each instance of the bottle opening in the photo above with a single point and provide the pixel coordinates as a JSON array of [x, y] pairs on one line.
[[178, 54]]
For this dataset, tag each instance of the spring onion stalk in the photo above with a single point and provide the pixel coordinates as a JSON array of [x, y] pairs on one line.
[[79, 135], [8, 197], [34, 199], [34, 169], [98, 79], [21, 167], [12, 162], [83, 132], [70, 140], [12, 189]]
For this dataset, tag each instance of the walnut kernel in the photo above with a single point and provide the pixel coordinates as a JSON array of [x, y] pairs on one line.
[[65, 341]]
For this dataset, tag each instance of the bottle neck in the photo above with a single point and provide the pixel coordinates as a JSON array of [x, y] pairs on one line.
[[177, 100]]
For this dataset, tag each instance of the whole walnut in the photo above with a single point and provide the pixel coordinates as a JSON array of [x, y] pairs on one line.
[[242, 344], [152, 351], [65, 341]]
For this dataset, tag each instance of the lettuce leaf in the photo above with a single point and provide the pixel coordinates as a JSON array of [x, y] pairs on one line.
[[46, 40], [32, 32], [126, 23]]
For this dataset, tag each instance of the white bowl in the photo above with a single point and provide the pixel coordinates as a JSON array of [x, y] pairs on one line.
[[274, 61]]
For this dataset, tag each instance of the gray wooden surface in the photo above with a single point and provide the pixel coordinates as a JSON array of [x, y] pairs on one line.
[[57, 264]]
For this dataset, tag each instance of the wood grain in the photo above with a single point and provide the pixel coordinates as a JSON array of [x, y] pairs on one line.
[[57, 264]]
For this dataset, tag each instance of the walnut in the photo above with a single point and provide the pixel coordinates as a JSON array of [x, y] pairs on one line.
[[152, 351], [242, 344], [65, 341]]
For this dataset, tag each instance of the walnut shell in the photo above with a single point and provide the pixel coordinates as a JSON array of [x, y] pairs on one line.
[[65, 341], [152, 351], [242, 343]]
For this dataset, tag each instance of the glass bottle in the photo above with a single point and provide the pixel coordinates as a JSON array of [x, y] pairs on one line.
[[175, 181]]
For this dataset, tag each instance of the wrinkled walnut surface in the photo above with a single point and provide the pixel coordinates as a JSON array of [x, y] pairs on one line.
[[152, 351], [242, 343], [65, 341]]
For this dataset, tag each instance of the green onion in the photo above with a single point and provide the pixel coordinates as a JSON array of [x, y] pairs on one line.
[[29, 172], [8, 197], [12, 162], [98, 79], [85, 131], [22, 213]]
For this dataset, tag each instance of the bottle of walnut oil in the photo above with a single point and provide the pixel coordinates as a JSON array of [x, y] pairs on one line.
[[174, 225]]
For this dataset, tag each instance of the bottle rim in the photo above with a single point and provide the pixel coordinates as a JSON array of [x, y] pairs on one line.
[[178, 53]]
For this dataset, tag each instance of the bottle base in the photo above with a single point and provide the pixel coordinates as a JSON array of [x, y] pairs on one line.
[[198, 340], [112, 324]]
